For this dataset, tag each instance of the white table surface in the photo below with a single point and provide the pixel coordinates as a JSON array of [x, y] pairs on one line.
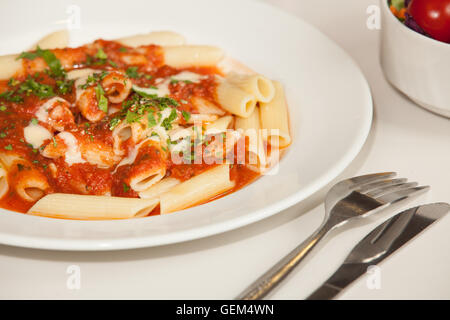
[[404, 138]]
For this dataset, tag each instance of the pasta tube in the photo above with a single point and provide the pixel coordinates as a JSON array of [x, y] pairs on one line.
[[86, 207], [274, 118], [160, 188], [4, 186], [234, 99], [197, 189], [251, 129], [192, 56], [161, 38], [54, 40], [257, 85]]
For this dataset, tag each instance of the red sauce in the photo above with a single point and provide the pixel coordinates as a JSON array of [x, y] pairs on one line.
[[144, 65]]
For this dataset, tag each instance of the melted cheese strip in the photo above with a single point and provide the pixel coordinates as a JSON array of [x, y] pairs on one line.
[[161, 90], [73, 154], [35, 135], [162, 85], [189, 76]]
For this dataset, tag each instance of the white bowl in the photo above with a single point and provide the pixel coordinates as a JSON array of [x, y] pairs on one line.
[[416, 65]]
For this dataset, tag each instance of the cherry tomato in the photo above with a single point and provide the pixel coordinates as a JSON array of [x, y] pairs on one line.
[[433, 16]]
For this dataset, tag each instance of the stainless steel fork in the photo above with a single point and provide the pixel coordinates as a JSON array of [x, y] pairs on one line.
[[349, 199]]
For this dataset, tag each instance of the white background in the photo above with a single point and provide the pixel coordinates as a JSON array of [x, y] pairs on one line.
[[404, 138]]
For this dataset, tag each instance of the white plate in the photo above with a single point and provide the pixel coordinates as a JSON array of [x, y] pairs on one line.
[[329, 99]]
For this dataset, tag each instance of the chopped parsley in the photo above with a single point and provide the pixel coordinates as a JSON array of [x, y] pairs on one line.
[[28, 87], [64, 87], [31, 86], [132, 116], [167, 122], [13, 82], [2, 108], [93, 79], [186, 115], [126, 188], [34, 121], [151, 120], [101, 54], [101, 99], [132, 72], [123, 49], [9, 147], [56, 70], [113, 64], [114, 122]]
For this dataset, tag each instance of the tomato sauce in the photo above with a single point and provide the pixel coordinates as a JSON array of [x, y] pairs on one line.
[[22, 96]]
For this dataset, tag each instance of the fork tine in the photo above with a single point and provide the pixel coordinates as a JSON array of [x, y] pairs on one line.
[[375, 185], [385, 190], [402, 194], [369, 178]]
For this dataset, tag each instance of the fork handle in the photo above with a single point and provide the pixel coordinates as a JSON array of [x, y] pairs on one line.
[[269, 280]]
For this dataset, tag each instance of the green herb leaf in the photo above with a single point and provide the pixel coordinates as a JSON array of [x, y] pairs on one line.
[[186, 115], [101, 54], [132, 72], [114, 122], [34, 121], [151, 120], [101, 99], [9, 147], [132, 116], [167, 122]]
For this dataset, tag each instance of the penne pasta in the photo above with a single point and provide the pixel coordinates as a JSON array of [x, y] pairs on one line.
[[148, 166], [199, 117], [117, 87], [159, 188], [54, 40], [9, 159], [257, 85], [160, 38], [4, 185], [86, 207], [219, 125], [192, 56], [274, 118], [251, 129], [10, 66], [30, 184], [197, 189], [207, 107], [235, 100]]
